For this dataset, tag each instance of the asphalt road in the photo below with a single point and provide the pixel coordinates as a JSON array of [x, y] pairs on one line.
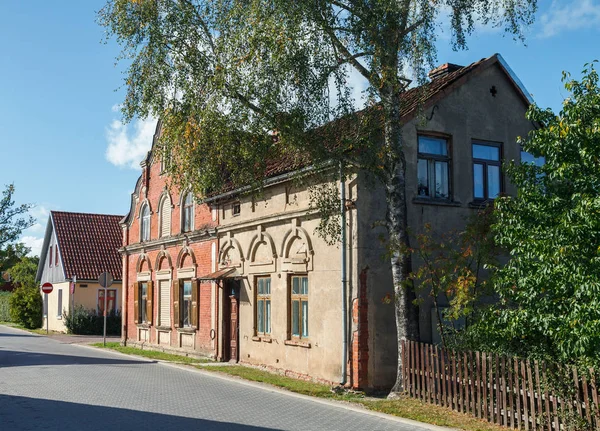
[[47, 384]]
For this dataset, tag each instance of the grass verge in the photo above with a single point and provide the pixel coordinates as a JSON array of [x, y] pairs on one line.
[[404, 407], [151, 354], [39, 331]]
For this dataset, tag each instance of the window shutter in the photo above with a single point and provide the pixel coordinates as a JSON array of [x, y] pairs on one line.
[[149, 306], [165, 212], [175, 295], [195, 294], [136, 302]]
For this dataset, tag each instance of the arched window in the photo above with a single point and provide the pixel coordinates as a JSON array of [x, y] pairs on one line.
[[187, 222], [165, 217], [145, 225]]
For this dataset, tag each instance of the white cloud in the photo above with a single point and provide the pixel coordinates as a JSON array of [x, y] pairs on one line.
[[127, 148], [567, 15], [34, 243], [33, 237]]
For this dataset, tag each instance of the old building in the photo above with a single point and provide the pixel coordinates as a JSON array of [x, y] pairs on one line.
[[168, 242], [78, 248], [270, 289], [458, 129]]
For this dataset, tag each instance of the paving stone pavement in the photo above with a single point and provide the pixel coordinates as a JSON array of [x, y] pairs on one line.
[[49, 385]]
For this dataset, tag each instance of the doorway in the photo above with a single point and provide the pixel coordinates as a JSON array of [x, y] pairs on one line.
[[231, 295]]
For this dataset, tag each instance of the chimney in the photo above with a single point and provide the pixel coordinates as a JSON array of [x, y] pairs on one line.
[[443, 70]]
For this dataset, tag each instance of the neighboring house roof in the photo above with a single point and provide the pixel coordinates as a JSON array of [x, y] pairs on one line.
[[88, 244]]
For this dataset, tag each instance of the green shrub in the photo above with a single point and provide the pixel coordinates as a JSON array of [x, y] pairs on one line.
[[26, 307], [82, 321], [5, 306]]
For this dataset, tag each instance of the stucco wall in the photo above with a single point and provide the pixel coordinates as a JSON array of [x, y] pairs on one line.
[[51, 305], [274, 235], [469, 112]]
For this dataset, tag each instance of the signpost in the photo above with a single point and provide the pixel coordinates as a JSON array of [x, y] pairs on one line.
[[106, 280], [47, 288]]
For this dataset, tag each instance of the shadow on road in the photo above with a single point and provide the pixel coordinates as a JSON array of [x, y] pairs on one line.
[[2, 334], [12, 358], [23, 413]]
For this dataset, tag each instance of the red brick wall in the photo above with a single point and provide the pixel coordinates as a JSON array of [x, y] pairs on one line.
[[360, 337], [202, 251]]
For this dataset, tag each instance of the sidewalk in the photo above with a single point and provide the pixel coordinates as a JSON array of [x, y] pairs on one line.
[[81, 339]]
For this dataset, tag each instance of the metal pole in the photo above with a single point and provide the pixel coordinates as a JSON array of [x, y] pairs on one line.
[[343, 270], [46, 313], [105, 295]]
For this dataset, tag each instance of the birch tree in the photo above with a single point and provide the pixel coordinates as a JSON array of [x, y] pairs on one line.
[[223, 75]]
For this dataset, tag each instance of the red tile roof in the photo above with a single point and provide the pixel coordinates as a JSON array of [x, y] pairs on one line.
[[88, 244]]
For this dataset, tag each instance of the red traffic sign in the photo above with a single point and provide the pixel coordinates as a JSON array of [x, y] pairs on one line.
[[47, 287]]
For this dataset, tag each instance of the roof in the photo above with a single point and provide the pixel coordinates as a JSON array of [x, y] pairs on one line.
[[413, 101], [88, 244]]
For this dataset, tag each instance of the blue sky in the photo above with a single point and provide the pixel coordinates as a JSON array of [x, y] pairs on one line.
[[64, 148]]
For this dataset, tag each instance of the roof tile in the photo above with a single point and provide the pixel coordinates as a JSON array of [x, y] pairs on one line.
[[89, 244]]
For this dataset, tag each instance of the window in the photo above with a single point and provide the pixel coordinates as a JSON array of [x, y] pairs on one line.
[[487, 180], [530, 158], [236, 209], [60, 306], [145, 228], [143, 302], [56, 254], [165, 217], [263, 305], [50, 259], [433, 168], [186, 303], [165, 160], [187, 222], [299, 307], [111, 302]]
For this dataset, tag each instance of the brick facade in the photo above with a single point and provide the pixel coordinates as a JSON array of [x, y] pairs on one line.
[[167, 256]]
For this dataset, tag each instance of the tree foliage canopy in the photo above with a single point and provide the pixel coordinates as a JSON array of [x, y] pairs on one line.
[[550, 288], [224, 74], [13, 219]]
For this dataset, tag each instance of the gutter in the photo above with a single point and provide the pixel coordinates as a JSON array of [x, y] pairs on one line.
[[269, 181]]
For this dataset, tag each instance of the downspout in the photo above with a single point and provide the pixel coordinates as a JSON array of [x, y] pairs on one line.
[[343, 272]]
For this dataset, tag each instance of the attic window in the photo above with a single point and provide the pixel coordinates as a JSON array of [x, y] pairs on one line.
[[50, 259], [56, 254], [236, 209]]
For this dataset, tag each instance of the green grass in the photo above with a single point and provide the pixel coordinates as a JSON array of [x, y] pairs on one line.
[[404, 407], [39, 331], [151, 354]]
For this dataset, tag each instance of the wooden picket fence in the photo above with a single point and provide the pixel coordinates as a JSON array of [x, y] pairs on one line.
[[507, 391]]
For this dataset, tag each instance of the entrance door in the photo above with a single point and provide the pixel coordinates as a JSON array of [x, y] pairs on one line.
[[231, 320]]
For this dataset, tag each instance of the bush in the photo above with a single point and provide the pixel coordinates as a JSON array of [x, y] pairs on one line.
[[27, 307], [86, 322], [5, 306]]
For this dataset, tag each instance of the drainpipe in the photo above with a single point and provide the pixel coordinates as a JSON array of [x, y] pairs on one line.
[[343, 271]]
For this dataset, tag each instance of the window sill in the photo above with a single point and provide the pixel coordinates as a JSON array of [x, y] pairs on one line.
[[186, 330], [481, 204], [304, 344], [163, 328], [439, 202], [143, 325], [263, 338]]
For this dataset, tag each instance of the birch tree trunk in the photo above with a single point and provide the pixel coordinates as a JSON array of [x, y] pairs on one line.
[[407, 312]]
